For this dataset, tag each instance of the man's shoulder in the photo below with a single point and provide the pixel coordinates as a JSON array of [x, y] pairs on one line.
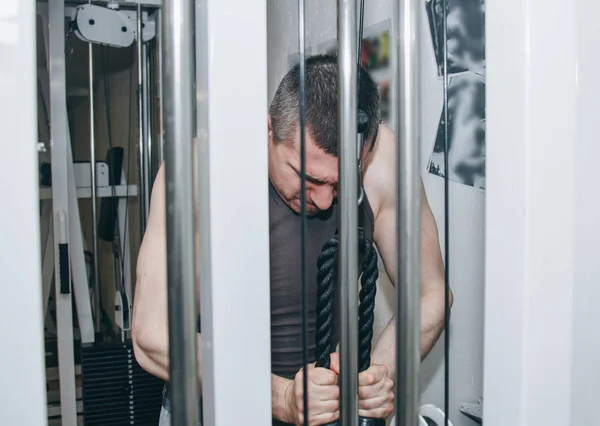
[[380, 176]]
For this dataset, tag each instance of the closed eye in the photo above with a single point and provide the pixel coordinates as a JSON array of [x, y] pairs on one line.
[[309, 178]]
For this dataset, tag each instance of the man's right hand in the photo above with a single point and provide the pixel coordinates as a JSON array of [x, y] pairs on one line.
[[323, 396]]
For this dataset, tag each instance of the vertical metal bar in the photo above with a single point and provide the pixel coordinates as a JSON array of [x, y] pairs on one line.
[[97, 291], [148, 139], [60, 206], [153, 101], [159, 20], [406, 82], [302, 122], [178, 56], [348, 182], [141, 129], [446, 226]]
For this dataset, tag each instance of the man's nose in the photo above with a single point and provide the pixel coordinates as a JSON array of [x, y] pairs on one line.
[[322, 197]]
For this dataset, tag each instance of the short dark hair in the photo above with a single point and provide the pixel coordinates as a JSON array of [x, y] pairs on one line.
[[321, 103]]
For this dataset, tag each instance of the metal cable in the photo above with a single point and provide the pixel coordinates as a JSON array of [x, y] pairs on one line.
[[114, 200], [304, 287], [446, 226]]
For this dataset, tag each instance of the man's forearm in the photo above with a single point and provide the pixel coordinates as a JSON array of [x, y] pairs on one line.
[[279, 387], [432, 325]]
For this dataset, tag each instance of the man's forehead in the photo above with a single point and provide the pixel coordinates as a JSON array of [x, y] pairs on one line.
[[320, 166]]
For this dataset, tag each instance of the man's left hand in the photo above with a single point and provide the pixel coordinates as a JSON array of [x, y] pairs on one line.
[[375, 390], [375, 393]]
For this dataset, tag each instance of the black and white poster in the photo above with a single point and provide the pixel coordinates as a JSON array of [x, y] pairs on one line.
[[465, 38], [464, 133]]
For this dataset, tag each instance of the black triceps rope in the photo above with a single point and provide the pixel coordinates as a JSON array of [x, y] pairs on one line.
[[326, 279]]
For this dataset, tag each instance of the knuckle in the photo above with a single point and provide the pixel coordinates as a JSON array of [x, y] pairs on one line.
[[389, 409], [335, 405], [369, 404], [363, 393], [335, 393]]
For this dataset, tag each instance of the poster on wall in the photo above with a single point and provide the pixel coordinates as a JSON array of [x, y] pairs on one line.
[[466, 133], [466, 35], [375, 59], [465, 129]]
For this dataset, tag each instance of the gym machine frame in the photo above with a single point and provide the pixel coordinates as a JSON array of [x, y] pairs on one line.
[[66, 243], [520, 361]]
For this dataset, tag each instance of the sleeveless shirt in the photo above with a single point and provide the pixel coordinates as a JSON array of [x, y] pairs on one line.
[[286, 302]]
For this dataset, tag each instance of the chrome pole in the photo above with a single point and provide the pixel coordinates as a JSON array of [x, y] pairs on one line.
[[348, 183], [178, 57], [141, 128], [408, 313], [97, 295], [147, 158], [153, 103], [160, 155]]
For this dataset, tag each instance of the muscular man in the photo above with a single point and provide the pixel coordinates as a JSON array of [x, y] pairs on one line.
[[377, 218]]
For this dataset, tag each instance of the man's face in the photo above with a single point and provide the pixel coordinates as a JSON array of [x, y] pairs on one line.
[[321, 173]]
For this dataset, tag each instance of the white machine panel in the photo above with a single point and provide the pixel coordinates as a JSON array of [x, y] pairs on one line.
[[83, 178]]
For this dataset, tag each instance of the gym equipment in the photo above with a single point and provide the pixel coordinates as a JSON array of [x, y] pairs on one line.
[[135, 394], [109, 25], [326, 279], [430, 415], [116, 390]]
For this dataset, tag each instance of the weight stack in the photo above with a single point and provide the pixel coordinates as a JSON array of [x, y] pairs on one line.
[[116, 390]]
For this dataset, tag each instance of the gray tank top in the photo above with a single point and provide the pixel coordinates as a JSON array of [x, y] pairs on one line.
[[286, 306]]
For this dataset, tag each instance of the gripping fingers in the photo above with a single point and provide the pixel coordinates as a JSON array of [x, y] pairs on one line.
[[322, 377], [378, 407], [324, 393], [375, 374], [318, 411], [325, 418], [380, 388]]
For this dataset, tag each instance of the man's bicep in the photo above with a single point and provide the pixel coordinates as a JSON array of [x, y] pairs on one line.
[[432, 266], [153, 252], [151, 263], [387, 239]]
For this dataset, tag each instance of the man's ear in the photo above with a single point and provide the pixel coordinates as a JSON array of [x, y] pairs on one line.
[[270, 127]]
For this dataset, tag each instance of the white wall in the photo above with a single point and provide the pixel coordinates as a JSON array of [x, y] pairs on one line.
[[466, 206]]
